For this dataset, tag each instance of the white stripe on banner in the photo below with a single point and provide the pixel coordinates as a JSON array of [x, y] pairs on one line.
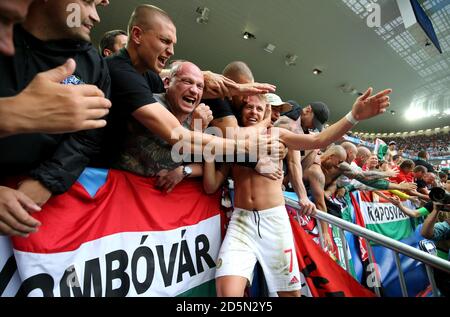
[[9, 276], [380, 213], [165, 263]]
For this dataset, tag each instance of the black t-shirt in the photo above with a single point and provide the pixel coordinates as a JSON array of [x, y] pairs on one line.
[[56, 160], [220, 108], [130, 91], [421, 183]]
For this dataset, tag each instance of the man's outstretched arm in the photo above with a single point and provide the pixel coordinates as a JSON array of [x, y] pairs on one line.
[[365, 107], [353, 173]]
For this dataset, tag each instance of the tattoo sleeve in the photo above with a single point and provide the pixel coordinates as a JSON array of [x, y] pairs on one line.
[[361, 176]]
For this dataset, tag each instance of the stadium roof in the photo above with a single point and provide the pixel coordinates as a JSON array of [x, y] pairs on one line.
[[332, 36]]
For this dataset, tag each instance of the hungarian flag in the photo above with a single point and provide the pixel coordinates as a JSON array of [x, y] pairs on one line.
[[323, 276], [380, 149], [114, 234], [381, 216], [359, 220]]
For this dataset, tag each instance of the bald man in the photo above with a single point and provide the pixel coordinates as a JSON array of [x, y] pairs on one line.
[[135, 79], [322, 173], [145, 153], [352, 174], [226, 111]]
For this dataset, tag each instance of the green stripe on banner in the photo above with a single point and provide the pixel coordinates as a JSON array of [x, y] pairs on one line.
[[442, 254], [385, 218], [398, 230], [207, 289], [347, 212], [340, 245]]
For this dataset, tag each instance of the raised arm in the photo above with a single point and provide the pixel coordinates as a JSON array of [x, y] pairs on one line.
[[219, 86], [428, 224], [407, 211], [354, 173], [365, 107], [160, 121]]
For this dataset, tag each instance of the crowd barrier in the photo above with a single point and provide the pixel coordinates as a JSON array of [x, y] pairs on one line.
[[385, 258], [114, 234]]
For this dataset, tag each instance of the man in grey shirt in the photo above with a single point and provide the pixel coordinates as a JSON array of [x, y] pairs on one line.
[[145, 153]]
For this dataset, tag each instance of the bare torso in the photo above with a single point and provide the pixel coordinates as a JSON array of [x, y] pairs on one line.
[[331, 175], [254, 191]]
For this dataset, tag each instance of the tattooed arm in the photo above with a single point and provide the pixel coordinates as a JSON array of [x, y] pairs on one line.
[[362, 176]]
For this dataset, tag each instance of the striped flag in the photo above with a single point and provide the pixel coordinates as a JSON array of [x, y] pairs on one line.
[[323, 277], [381, 216], [380, 149], [122, 237]]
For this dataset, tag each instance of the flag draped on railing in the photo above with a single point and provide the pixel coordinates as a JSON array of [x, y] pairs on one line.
[[115, 234], [122, 237]]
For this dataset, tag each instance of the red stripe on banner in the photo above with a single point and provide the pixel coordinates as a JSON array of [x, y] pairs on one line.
[[360, 222], [366, 196], [325, 277], [125, 203]]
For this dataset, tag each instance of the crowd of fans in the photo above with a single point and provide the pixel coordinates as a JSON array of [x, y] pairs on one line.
[[436, 145], [142, 100]]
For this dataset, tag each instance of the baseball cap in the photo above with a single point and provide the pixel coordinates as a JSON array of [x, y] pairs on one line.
[[321, 114], [392, 143], [275, 101], [295, 112]]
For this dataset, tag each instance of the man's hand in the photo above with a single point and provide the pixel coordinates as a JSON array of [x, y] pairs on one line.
[[219, 86], [340, 192], [414, 200], [396, 201], [261, 144], [216, 86], [267, 168], [251, 89], [391, 173], [203, 114], [166, 181], [368, 106], [307, 207], [35, 190], [408, 186], [47, 106], [327, 242], [15, 219]]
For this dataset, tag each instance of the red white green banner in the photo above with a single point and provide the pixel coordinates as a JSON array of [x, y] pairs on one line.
[[323, 276], [382, 216], [114, 234], [128, 239]]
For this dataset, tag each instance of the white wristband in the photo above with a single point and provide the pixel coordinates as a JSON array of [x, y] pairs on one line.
[[350, 118]]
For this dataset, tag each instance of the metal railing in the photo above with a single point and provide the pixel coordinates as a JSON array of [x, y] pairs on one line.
[[428, 260]]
